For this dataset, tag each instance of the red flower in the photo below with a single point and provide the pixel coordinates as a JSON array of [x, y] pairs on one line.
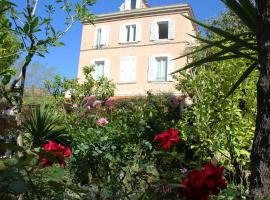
[[58, 151], [167, 138], [201, 183]]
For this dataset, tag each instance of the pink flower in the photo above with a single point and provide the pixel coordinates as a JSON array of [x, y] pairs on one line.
[[102, 121], [167, 138], [109, 102]]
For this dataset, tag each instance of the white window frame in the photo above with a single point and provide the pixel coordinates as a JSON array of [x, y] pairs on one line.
[[154, 32], [106, 67], [102, 44], [130, 81], [152, 68], [123, 33]]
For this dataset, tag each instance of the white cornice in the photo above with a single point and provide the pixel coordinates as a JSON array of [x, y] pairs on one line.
[[138, 13]]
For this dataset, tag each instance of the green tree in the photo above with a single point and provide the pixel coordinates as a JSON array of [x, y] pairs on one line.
[[9, 50], [254, 46], [37, 33]]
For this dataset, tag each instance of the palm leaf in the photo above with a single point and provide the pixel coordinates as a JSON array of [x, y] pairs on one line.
[[225, 34], [231, 48], [212, 58], [244, 14], [247, 4], [43, 125], [242, 78]]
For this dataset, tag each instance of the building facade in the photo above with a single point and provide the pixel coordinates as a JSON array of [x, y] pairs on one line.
[[135, 47]]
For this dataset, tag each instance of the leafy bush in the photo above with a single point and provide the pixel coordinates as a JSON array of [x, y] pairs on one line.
[[43, 125]]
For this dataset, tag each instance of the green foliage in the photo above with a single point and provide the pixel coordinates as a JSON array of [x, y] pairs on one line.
[[23, 175], [120, 160], [230, 45], [43, 125], [216, 126], [102, 88]]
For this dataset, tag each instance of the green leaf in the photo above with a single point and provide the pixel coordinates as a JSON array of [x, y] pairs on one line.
[[10, 146], [231, 48], [26, 28], [225, 34], [59, 44], [6, 79], [242, 78], [18, 186], [34, 24], [2, 166], [244, 14], [247, 4], [212, 58]]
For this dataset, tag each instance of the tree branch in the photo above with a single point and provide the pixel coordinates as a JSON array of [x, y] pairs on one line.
[[34, 8]]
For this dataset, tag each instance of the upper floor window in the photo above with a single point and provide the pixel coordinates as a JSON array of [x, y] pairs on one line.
[[160, 67], [130, 33], [102, 36], [133, 4], [162, 29], [101, 68]]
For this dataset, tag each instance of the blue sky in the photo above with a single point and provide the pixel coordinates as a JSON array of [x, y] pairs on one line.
[[65, 59]]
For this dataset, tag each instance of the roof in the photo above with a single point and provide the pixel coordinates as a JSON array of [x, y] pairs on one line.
[[150, 11]]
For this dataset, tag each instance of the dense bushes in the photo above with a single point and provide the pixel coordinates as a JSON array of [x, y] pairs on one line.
[[123, 151]]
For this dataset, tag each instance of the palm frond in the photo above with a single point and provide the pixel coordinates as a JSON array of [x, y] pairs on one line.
[[43, 125]]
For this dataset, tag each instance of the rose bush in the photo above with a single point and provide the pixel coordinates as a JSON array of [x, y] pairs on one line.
[[58, 151], [200, 184], [167, 138]]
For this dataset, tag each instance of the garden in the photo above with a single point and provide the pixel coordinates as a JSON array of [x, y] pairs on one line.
[[92, 145]]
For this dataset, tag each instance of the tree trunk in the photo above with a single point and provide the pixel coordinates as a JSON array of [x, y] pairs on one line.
[[260, 158]]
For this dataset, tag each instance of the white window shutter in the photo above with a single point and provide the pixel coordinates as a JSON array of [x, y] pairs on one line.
[[103, 36], [154, 31], [152, 69], [96, 35], [122, 34], [171, 26], [133, 70], [138, 32], [107, 28], [138, 4], [107, 68], [122, 70], [170, 68], [127, 4], [122, 7]]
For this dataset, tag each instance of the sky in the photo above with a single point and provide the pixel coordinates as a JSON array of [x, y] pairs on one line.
[[65, 59]]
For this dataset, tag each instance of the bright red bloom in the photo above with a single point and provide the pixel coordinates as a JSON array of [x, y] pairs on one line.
[[200, 184], [58, 151], [167, 138]]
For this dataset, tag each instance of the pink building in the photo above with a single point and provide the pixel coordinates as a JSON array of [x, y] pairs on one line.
[[135, 46]]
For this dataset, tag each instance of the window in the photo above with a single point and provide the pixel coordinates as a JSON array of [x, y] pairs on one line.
[[101, 67], [160, 67], [130, 33], [102, 36], [127, 70], [162, 30], [133, 4]]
